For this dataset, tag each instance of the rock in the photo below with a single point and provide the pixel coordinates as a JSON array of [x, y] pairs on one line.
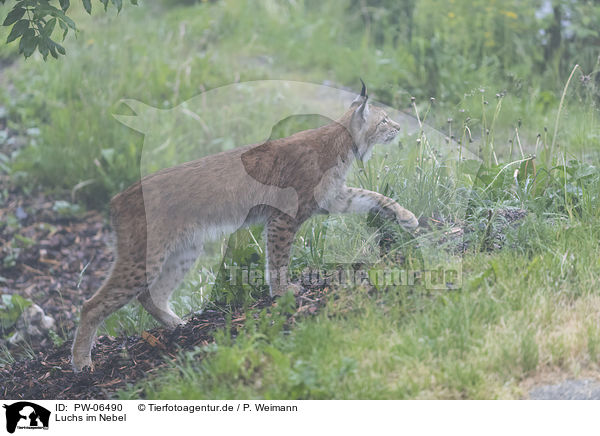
[[21, 214], [33, 323], [585, 389]]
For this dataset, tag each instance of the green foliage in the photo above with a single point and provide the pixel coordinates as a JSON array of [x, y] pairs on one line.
[[15, 245], [56, 339], [240, 278], [33, 23], [11, 307], [82, 148]]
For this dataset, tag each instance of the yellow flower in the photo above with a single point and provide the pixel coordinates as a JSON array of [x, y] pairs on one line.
[[510, 14], [489, 40], [451, 15]]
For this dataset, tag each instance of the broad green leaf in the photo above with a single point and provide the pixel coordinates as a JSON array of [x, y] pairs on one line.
[[69, 22], [59, 48], [64, 4], [585, 171], [45, 9], [43, 47], [53, 51], [49, 27], [28, 43], [87, 4], [18, 29], [14, 15], [65, 29]]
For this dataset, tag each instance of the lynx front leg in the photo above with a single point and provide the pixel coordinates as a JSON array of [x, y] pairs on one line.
[[356, 200], [279, 232]]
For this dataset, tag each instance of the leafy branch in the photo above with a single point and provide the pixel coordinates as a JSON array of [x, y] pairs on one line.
[[34, 21]]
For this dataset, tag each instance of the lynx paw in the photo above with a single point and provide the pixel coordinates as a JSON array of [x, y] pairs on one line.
[[173, 323], [79, 364], [407, 219], [292, 287]]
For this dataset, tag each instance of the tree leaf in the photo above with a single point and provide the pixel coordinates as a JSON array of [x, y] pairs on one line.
[[87, 4], [49, 27], [43, 47], [18, 29], [64, 5], [28, 43], [59, 48], [69, 22], [53, 52], [65, 29], [14, 15]]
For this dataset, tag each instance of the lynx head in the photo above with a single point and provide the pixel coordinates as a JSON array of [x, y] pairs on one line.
[[369, 125]]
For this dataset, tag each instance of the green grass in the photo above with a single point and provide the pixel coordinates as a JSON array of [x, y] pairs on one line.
[[527, 308], [163, 56], [536, 310]]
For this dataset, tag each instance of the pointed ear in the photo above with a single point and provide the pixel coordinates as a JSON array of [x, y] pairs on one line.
[[363, 109], [363, 95]]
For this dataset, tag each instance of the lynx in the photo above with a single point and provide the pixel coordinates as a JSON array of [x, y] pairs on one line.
[[162, 221]]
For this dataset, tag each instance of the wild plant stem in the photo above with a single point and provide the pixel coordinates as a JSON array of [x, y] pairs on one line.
[[560, 106]]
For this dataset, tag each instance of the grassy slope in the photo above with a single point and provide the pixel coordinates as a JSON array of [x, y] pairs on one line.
[[536, 312], [528, 308]]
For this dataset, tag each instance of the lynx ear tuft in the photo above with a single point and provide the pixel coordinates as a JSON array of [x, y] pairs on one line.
[[363, 95]]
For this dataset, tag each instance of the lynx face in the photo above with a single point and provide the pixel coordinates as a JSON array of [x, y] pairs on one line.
[[370, 125]]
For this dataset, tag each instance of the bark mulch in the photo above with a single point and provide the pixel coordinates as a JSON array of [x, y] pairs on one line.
[[57, 261], [123, 361], [54, 260]]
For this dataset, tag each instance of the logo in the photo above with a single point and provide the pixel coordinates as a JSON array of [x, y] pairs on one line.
[[26, 415]]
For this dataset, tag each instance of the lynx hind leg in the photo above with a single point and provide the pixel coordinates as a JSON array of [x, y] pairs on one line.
[[124, 283], [155, 299]]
